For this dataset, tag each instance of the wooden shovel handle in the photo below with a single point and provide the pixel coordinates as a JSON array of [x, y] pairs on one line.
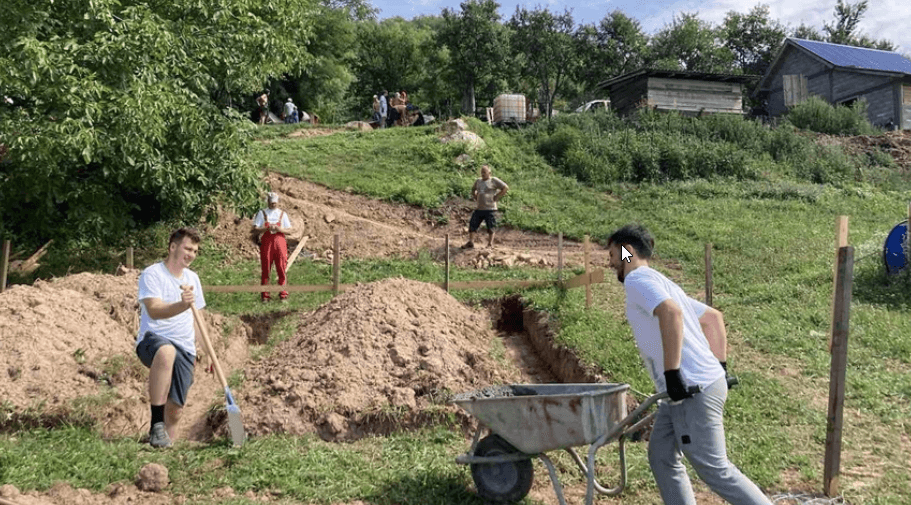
[[208, 343]]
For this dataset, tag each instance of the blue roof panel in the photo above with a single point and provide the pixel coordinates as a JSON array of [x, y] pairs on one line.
[[857, 57]]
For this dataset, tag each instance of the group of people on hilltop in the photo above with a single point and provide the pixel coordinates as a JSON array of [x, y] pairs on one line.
[[682, 343], [396, 110], [290, 112]]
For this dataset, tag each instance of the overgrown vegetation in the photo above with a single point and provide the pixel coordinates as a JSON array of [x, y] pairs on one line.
[[818, 115]]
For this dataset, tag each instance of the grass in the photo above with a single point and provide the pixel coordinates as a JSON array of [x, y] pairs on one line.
[[773, 248]]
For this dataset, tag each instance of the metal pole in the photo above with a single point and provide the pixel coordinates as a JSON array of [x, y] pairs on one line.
[[446, 283], [335, 265], [4, 265], [708, 274], [840, 323]]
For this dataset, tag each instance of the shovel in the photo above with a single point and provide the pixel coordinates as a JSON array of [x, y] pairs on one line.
[[235, 422]]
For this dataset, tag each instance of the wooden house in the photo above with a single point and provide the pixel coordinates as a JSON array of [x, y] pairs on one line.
[[841, 75], [692, 93]]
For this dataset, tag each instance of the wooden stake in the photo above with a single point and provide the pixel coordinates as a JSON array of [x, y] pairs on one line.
[[296, 253], [841, 240], [588, 286], [4, 265], [840, 322], [560, 257], [335, 265], [130, 257], [446, 282], [708, 274]]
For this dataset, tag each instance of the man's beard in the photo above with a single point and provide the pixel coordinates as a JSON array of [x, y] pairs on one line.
[[620, 275]]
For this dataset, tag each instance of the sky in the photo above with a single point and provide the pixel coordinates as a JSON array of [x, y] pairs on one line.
[[884, 19]]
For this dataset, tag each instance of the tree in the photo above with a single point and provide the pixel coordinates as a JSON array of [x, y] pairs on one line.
[[617, 45], [113, 125], [688, 43], [478, 46], [543, 41], [843, 28], [753, 38]]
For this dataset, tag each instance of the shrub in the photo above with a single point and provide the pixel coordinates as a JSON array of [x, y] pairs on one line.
[[815, 114]]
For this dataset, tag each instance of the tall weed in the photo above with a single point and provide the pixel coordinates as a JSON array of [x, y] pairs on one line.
[[815, 114]]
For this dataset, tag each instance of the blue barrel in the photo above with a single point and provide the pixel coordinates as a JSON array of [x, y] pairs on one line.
[[893, 252]]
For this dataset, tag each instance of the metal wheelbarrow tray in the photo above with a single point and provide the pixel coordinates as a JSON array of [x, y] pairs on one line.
[[527, 420]]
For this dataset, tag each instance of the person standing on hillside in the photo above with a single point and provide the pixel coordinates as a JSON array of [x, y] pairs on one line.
[[683, 342], [273, 224], [288, 111], [166, 342], [262, 105], [486, 191], [384, 108]]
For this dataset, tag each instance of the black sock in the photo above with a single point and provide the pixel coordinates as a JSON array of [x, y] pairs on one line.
[[157, 414]]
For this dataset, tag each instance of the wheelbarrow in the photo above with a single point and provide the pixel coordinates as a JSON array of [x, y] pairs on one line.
[[527, 420]]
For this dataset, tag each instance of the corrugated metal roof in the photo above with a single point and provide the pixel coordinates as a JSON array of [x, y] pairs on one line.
[[857, 57]]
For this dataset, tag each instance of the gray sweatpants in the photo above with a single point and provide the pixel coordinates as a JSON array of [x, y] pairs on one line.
[[694, 428]]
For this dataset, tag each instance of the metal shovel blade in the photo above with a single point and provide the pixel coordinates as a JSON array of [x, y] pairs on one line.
[[235, 421]]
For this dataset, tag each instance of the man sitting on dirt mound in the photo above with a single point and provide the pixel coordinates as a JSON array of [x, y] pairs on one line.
[[273, 223], [683, 342], [167, 336], [486, 192]]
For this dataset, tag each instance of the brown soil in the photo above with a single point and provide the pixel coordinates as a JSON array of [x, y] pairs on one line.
[[68, 348], [895, 143], [369, 228], [375, 354]]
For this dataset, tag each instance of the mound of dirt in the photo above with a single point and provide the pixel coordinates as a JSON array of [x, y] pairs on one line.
[[68, 345], [895, 143], [392, 345]]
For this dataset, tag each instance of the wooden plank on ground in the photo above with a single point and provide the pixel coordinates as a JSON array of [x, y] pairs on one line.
[[273, 288]]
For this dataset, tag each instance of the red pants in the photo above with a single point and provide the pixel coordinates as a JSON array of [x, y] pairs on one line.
[[273, 249]]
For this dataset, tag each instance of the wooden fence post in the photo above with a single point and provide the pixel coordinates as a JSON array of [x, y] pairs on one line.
[[446, 282], [560, 257], [841, 240], [4, 265], [588, 285], [130, 257], [708, 274], [335, 265], [844, 280]]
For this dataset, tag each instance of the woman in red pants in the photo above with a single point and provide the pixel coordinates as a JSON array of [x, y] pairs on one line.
[[273, 224]]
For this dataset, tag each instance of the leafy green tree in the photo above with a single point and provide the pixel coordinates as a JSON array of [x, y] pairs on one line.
[[543, 42], [753, 38], [112, 124], [478, 47], [689, 43], [615, 46], [843, 28]]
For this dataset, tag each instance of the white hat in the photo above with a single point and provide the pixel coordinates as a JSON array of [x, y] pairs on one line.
[[272, 197], [289, 98]]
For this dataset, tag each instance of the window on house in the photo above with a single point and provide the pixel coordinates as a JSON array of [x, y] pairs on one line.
[[795, 89]]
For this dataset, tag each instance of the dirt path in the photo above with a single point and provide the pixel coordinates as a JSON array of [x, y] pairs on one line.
[[369, 228]]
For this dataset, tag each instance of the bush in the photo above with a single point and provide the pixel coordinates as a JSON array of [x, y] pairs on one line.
[[815, 114]]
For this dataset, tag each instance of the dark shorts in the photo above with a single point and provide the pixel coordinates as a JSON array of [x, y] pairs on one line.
[[184, 362], [488, 216]]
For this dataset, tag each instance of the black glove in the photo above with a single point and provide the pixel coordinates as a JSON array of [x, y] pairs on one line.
[[731, 380], [675, 387]]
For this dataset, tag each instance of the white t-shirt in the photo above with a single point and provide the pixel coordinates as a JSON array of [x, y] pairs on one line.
[[275, 215], [647, 288], [156, 281], [486, 191]]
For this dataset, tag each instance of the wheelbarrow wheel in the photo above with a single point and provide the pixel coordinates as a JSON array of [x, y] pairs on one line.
[[501, 482]]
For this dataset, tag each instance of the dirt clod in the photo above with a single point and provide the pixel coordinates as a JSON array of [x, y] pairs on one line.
[[152, 477]]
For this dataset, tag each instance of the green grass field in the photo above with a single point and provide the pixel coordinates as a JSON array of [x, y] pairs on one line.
[[773, 250]]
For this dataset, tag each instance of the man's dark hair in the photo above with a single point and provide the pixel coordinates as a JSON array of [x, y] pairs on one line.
[[636, 236], [384, 93], [180, 233]]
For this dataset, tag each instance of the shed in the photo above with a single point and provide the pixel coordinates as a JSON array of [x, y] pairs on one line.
[[689, 92], [841, 75]]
